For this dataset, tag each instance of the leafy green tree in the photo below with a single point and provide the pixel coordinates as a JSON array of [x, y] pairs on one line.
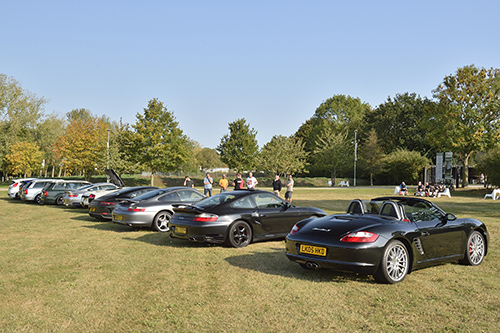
[[156, 141], [333, 153], [239, 148], [489, 164], [23, 158], [283, 155], [208, 158], [371, 155], [403, 165], [468, 120], [49, 131], [400, 123]]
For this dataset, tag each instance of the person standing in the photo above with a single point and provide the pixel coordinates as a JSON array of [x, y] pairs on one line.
[[289, 189], [188, 182], [251, 181], [238, 182], [277, 185], [223, 183], [207, 184]]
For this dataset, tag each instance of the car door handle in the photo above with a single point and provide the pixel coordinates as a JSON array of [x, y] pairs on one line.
[[263, 215]]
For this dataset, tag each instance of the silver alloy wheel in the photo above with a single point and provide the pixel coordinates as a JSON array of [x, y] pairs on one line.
[[394, 264], [161, 220], [475, 248]]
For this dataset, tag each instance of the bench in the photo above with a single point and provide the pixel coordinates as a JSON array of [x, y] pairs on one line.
[[445, 192], [344, 183], [493, 195]]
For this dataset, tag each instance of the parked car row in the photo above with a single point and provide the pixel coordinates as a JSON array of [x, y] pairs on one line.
[[387, 237]]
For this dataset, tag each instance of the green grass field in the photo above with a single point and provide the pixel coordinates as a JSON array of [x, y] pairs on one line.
[[60, 270]]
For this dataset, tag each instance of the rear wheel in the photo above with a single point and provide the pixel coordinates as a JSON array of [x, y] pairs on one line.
[[239, 235], [60, 200], [160, 222], [475, 249], [394, 263], [38, 199]]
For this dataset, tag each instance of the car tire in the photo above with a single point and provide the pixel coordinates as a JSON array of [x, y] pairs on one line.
[[38, 199], [60, 201], [239, 234], [394, 264], [475, 249], [160, 222]]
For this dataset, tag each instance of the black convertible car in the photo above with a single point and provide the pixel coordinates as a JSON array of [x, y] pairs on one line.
[[387, 237], [238, 218]]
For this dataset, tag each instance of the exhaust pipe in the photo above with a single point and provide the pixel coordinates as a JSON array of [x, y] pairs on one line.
[[312, 265], [192, 239]]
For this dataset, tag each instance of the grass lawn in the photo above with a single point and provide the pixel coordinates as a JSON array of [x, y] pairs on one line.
[[60, 270]]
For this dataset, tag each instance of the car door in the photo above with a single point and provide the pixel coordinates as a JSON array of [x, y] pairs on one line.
[[275, 215], [440, 239]]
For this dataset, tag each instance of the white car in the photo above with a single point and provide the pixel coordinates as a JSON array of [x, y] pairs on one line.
[[32, 191], [88, 197], [13, 191], [74, 198]]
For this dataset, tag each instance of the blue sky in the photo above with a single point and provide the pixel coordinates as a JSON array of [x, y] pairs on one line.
[[212, 62]]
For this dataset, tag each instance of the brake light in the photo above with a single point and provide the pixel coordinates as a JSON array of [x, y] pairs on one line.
[[92, 196], [73, 195], [360, 237], [15, 184], [294, 230], [105, 203], [205, 218], [136, 209], [46, 193], [25, 191]]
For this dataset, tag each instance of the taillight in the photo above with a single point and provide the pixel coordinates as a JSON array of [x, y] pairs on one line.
[[46, 193], [92, 196], [205, 218], [73, 195], [360, 237], [136, 209], [105, 203], [15, 184], [294, 230], [25, 191]]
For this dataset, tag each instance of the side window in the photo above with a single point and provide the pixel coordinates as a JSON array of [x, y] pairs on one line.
[[422, 212], [172, 197], [245, 202], [108, 187], [190, 196], [60, 186], [266, 201]]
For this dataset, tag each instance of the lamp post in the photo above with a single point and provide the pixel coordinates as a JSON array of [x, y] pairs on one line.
[[107, 155], [355, 153]]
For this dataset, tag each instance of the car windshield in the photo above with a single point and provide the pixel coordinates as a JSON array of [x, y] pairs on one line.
[[216, 200]]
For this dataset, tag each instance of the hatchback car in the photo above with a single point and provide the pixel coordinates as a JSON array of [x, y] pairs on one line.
[[53, 192], [101, 208], [155, 208], [32, 191], [73, 198], [13, 190], [238, 218]]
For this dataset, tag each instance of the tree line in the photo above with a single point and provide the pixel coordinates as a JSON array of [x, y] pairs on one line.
[[392, 142]]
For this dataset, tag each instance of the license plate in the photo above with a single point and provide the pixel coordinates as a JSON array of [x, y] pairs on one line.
[[118, 217], [180, 230], [91, 209], [315, 250]]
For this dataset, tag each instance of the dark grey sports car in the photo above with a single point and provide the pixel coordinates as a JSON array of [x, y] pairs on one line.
[[388, 238], [238, 218]]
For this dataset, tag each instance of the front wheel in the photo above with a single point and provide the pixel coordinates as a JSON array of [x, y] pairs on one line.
[[475, 249], [160, 222], [394, 263], [239, 235]]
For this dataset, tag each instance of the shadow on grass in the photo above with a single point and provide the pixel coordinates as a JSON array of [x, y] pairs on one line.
[[276, 263]]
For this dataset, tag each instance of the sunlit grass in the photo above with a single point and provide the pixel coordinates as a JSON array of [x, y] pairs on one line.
[[62, 271]]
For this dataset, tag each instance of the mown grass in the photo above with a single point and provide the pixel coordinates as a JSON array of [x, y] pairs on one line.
[[60, 270]]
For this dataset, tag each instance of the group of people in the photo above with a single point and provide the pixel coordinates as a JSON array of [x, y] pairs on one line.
[[428, 190], [239, 184]]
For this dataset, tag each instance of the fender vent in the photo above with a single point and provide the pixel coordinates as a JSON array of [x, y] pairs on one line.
[[418, 245]]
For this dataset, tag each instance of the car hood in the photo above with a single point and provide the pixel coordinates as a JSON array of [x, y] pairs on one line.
[[115, 179]]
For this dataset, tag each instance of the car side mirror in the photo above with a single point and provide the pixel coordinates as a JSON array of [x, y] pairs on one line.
[[449, 217]]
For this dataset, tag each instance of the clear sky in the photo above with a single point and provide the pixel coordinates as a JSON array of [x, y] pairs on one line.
[[212, 62]]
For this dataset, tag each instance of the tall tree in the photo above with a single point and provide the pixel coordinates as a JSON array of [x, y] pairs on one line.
[[82, 148], [283, 155], [157, 141], [371, 155], [400, 123], [469, 118], [208, 158], [239, 148], [332, 153], [24, 158]]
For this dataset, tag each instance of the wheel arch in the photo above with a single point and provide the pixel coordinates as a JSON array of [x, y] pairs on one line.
[[226, 233], [409, 248]]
